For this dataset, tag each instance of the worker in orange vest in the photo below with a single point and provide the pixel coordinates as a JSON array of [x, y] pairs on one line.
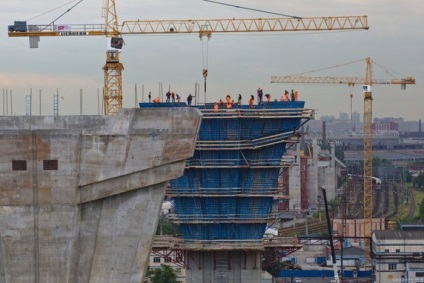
[[252, 101], [215, 107], [286, 96]]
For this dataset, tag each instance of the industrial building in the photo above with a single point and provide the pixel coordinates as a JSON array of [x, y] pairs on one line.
[[398, 256]]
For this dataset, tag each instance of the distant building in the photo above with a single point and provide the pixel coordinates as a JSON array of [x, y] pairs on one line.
[[381, 127], [354, 228], [171, 259], [398, 256], [314, 168], [353, 257], [344, 116]]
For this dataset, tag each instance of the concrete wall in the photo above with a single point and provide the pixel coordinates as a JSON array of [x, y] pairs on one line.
[[224, 267], [80, 196]]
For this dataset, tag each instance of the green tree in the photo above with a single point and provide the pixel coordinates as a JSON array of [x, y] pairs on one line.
[[340, 154], [419, 181], [275, 268], [421, 216], [163, 274], [165, 227]]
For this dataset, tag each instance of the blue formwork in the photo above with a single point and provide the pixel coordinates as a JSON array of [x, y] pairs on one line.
[[226, 192]]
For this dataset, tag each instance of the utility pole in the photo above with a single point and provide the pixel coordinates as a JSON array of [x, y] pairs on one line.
[[330, 236]]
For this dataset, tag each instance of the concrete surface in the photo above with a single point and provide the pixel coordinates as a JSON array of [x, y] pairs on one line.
[[224, 267], [80, 196]]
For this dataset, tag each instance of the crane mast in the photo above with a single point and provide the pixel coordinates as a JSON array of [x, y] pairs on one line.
[[367, 82], [112, 89], [368, 204]]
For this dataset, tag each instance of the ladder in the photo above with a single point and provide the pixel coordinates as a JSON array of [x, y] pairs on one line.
[[221, 270]]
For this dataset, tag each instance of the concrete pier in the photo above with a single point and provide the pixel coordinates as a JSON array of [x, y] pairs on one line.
[[80, 196], [224, 266]]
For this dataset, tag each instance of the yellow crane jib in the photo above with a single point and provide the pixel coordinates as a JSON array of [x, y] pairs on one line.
[[21, 29], [339, 80], [115, 30]]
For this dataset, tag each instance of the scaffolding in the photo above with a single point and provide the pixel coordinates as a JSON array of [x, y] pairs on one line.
[[229, 186]]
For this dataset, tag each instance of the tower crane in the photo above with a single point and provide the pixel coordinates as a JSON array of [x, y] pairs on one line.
[[367, 82], [350, 81], [113, 30]]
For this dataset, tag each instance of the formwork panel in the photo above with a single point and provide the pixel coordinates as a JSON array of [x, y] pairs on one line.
[[222, 232], [228, 187]]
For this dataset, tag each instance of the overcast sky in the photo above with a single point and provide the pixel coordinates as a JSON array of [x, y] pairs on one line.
[[237, 63]]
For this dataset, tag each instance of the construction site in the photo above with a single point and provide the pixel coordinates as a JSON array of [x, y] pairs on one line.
[[90, 188]]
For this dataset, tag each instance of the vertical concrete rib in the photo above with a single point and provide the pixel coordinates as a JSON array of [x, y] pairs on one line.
[[35, 208]]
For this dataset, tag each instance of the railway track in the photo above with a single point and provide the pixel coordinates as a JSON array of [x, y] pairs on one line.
[[411, 204], [315, 227], [385, 205]]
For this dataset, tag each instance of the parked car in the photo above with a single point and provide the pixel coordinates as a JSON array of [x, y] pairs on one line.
[[297, 280]]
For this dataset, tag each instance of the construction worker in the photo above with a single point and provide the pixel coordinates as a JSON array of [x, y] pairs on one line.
[[260, 93], [286, 96], [189, 99], [228, 98], [168, 96], [268, 97], [252, 101], [228, 101], [216, 107]]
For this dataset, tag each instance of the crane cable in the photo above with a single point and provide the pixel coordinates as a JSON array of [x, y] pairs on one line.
[[385, 69], [61, 15], [208, 34], [331, 67], [42, 14], [205, 55], [251, 9]]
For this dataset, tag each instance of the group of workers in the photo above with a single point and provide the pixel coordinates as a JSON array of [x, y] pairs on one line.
[[229, 103], [293, 96], [170, 96]]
